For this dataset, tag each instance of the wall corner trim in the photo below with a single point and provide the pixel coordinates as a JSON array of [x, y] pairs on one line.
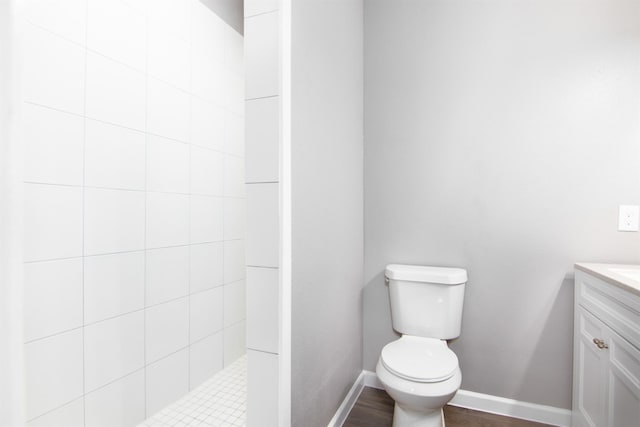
[[350, 399], [465, 399]]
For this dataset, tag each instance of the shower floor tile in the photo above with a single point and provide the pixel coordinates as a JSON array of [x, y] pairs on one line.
[[218, 402]]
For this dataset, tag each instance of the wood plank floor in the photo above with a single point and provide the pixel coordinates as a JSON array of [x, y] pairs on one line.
[[374, 408]]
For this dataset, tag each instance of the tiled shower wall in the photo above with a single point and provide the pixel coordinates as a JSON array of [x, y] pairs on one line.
[[263, 94], [134, 206]]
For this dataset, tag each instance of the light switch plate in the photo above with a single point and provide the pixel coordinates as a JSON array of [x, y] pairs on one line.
[[629, 218]]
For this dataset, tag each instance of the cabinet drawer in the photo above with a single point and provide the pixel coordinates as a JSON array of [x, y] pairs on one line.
[[618, 309]]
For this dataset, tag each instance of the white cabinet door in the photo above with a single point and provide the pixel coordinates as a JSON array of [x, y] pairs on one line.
[[590, 397], [623, 382]]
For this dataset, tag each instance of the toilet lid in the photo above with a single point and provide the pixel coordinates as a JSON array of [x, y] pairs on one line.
[[426, 360]]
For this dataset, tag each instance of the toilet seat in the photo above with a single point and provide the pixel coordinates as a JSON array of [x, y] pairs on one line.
[[424, 360]]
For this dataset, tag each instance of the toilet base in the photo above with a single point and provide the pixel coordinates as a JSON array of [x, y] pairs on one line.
[[403, 417]]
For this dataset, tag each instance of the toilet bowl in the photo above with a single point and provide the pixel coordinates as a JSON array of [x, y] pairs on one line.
[[421, 375], [419, 371]]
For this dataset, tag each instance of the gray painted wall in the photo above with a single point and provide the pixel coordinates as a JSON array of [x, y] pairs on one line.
[[500, 136], [327, 205], [231, 11]]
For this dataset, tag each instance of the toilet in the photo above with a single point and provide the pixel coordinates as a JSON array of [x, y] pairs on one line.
[[419, 371]]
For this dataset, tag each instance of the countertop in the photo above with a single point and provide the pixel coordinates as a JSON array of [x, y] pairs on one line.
[[605, 272]]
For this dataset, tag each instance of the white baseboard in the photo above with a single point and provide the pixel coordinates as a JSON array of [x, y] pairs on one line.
[[479, 402], [371, 380], [512, 408], [347, 404]]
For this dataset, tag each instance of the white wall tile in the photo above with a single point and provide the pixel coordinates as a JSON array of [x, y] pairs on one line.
[[172, 15], [120, 403], [62, 86], [135, 223], [167, 220], [235, 302], [235, 217], [206, 219], [263, 135], [167, 165], [207, 79], [167, 274], [205, 359], [234, 92], [115, 92], [167, 111], [53, 372], [169, 58], [261, 55], [141, 6], [66, 18], [255, 7], [167, 380], [207, 32], [69, 415], [207, 124], [234, 261], [207, 263], [113, 285], [52, 222], [53, 145], [234, 176], [235, 344], [112, 349], [262, 388], [207, 172], [114, 157], [263, 306], [114, 221], [127, 44], [234, 50], [52, 297], [234, 142], [206, 313], [262, 225], [167, 328]]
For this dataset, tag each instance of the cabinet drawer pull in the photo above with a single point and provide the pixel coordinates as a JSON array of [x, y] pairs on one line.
[[600, 344]]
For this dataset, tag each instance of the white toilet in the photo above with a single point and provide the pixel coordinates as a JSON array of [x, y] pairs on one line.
[[419, 371]]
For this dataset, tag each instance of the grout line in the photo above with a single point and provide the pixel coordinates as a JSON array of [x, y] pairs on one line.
[[131, 251], [56, 408], [261, 182], [263, 266], [136, 190], [173, 353], [261, 97], [128, 374], [262, 351], [66, 331], [261, 13]]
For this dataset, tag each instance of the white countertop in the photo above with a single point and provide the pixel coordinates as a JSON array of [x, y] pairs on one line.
[[614, 274]]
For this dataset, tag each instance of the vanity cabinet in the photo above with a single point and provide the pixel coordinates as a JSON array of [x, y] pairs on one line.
[[606, 359]]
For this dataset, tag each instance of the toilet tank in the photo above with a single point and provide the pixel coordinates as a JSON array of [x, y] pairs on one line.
[[426, 301]]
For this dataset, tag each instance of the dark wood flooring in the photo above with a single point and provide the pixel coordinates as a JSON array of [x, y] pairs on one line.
[[374, 408]]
